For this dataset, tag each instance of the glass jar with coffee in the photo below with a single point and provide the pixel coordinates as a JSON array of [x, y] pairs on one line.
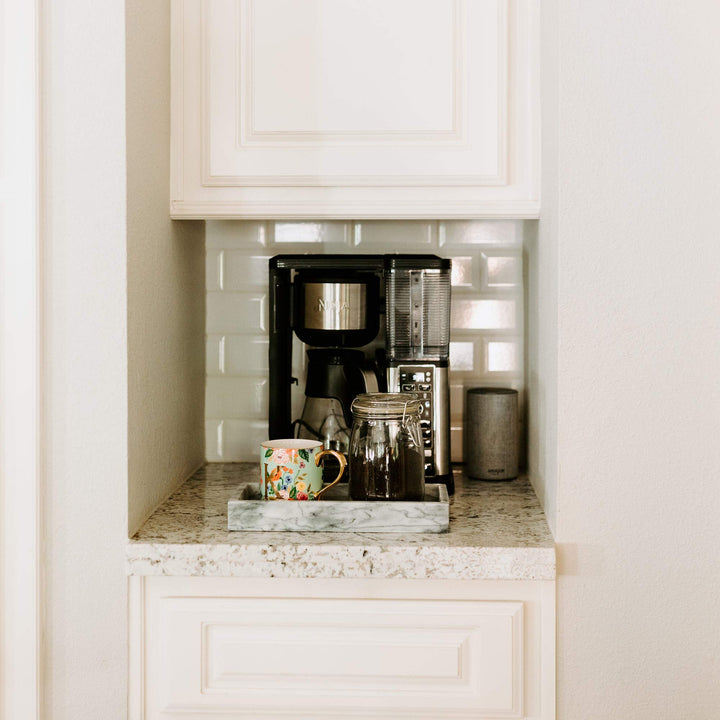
[[386, 451]]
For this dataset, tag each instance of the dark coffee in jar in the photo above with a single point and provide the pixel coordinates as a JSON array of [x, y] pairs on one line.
[[386, 460]]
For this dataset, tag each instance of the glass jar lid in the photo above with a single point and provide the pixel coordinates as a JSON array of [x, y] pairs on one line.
[[388, 406]]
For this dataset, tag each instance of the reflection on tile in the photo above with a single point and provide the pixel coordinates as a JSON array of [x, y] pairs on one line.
[[503, 271], [234, 233], [236, 397], [483, 314], [462, 356], [238, 312], [234, 440], [502, 356], [462, 272], [311, 232], [387, 236], [480, 232]]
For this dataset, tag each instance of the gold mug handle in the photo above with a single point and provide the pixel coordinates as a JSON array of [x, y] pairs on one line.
[[343, 462]]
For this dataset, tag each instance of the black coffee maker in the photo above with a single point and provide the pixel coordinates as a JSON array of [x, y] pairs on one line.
[[333, 307], [334, 304]]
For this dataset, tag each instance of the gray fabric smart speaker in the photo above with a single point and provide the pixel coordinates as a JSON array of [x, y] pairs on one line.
[[491, 433]]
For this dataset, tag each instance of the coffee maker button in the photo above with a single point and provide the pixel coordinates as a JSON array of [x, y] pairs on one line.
[[423, 386], [426, 433], [425, 423], [428, 443], [408, 388]]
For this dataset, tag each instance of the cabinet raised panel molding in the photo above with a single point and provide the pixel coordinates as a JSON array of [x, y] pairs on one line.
[[204, 647], [349, 109]]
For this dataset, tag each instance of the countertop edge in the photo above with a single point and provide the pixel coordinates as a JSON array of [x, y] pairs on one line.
[[340, 561]]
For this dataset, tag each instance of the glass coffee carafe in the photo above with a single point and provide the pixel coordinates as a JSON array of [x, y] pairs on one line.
[[386, 460]]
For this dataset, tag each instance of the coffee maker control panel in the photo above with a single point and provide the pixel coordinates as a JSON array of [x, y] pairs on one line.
[[420, 380]]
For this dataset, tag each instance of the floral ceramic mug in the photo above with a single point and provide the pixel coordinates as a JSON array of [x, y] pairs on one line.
[[291, 469]]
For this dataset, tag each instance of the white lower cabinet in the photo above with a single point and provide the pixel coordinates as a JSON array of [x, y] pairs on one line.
[[206, 648]]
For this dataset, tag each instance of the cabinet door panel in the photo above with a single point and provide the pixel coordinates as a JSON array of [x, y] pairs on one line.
[[341, 93], [340, 108], [340, 657]]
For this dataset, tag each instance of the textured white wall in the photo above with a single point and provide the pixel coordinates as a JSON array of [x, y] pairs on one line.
[[638, 502], [166, 283], [84, 349]]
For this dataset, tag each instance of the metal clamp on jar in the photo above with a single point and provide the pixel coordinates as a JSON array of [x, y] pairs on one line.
[[386, 451]]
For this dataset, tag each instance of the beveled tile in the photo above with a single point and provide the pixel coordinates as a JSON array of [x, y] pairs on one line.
[[236, 354], [312, 233], [480, 232], [502, 356], [234, 440], [214, 260], [486, 314], [242, 270], [462, 356], [464, 271], [226, 234], [236, 397], [502, 270], [389, 236], [236, 312]]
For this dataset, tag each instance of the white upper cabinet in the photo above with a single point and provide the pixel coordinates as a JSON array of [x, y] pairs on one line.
[[355, 108]]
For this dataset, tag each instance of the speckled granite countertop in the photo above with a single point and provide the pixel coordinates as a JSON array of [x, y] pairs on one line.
[[497, 531]]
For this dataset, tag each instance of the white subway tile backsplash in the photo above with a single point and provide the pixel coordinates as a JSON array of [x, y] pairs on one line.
[[233, 440], [236, 312], [236, 397], [485, 232], [214, 270], [502, 356], [462, 356], [236, 355], [484, 314], [501, 270], [388, 236], [487, 322], [315, 233], [226, 234], [464, 272], [242, 270]]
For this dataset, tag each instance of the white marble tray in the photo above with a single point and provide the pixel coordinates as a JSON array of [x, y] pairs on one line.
[[338, 513]]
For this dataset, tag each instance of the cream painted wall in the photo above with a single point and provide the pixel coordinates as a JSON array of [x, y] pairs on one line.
[[166, 283], [84, 350], [636, 222]]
